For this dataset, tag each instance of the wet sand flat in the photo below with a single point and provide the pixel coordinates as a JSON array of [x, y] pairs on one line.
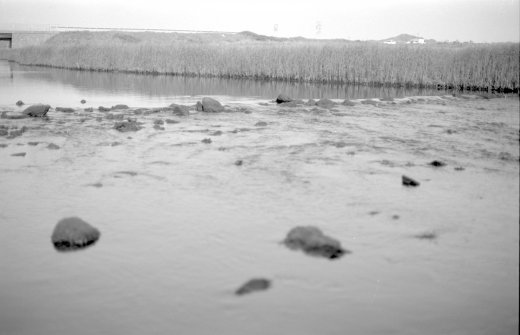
[[184, 225]]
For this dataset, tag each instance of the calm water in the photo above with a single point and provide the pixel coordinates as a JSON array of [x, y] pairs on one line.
[[187, 227]]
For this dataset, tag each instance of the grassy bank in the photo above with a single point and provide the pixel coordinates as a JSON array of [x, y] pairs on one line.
[[470, 66]]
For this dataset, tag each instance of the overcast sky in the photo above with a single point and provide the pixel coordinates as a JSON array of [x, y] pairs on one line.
[[463, 20]]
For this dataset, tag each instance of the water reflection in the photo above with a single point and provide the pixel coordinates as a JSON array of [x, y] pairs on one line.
[[150, 86]]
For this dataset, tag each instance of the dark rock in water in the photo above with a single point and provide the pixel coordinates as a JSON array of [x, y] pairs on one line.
[[64, 109], [90, 109], [325, 103], [459, 168], [73, 233], [170, 121], [211, 105], [103, 109], [261, 124], [4, 132], [311, 102], [253, 285], [437, 163], [19, 154], [206, 140], [313, 242], [239, 162], [158, 122], [83, 101], [116, 107], [181, 110], [33, 143], [407, 181], [348, 103], [158, 127], [2, 145], [198, 106], [53, 146], [217, 133], [427, 236], [38, 110], [19, 103], [129, 125], [283, 98]]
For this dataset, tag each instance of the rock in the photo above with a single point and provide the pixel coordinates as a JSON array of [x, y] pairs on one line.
[[89, 109], [103, 109], [38, 110], [261, 124], [83, 101], [211, 105], [19, 103], [253, 285], [33, 143], [4, 132], [129, 125], [459, 168], [348, 103], [64, 109], [73, 233], [437, 163], [313, 242], [325, 103], [158, 127], [53, 146], [158, 122], [17, 132], [206, 140], [239, 162], [3, 145], [217, 133], [181, 110], [427, 236], [198, 106], [116, 107], [19, 154], [170, 121], [283, 98], [407, 181], [311, 102]]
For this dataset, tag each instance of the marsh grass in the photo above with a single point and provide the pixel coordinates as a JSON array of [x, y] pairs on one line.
[[464, 66]]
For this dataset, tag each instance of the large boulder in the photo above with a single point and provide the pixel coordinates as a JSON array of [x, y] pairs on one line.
[[283, 98], [211, 105], [313, 242], [257, 284], [73, 233], [38, 110], [181, 110]]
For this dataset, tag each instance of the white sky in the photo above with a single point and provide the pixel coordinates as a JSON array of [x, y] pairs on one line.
[[463, 20]]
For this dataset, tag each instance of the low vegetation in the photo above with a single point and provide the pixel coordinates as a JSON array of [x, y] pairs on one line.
[[247, 55]]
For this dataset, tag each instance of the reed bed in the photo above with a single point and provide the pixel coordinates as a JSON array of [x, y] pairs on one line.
[[465, 66]]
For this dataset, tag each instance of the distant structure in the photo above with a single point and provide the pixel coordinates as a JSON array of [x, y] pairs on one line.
[[318, 27], [416, 41], [404, 39]]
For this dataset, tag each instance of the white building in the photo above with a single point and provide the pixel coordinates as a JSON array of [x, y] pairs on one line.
[[390, 42]]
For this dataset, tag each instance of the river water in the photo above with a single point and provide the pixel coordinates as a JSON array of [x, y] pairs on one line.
[[182, 226]]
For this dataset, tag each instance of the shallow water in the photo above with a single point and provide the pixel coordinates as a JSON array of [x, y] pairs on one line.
[[182, 226]]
